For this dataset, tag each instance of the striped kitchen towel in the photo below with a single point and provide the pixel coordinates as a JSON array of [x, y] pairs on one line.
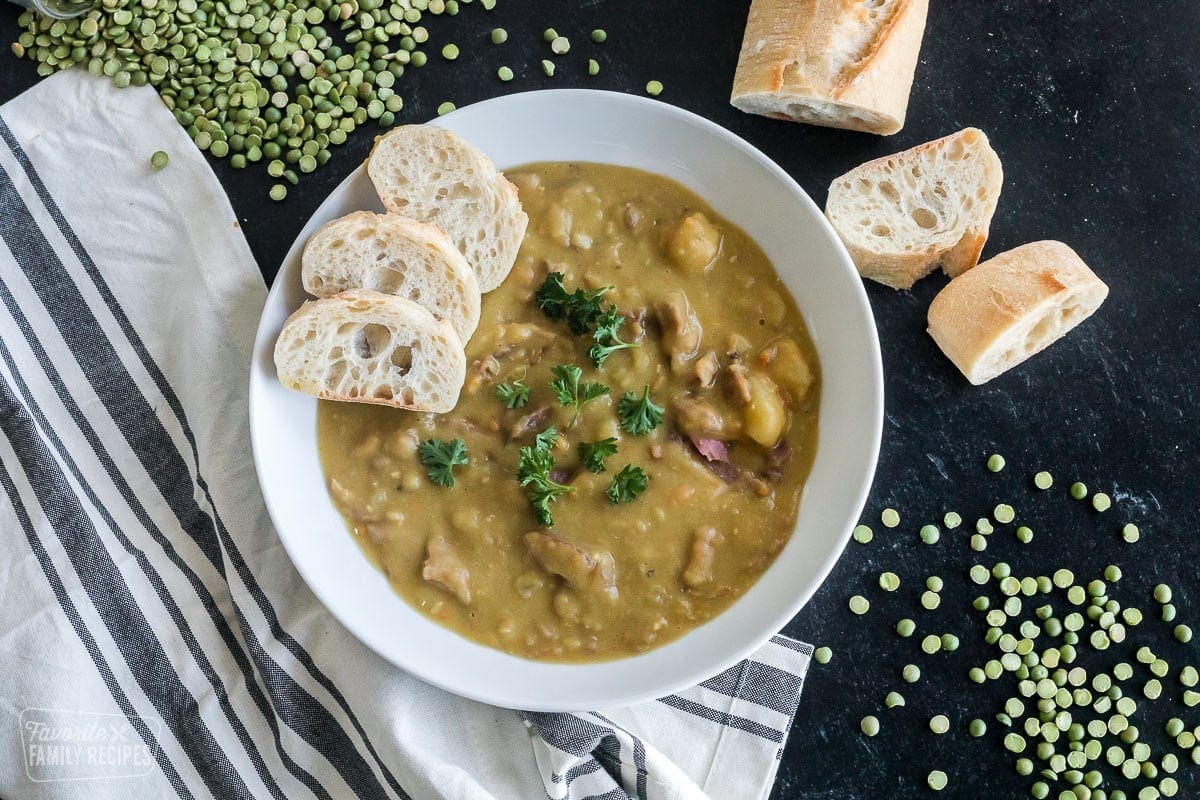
[[155, 641]]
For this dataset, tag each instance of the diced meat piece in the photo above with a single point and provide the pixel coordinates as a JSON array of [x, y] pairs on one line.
[[444, 569], [715, 455], [561, 475], [699, 419], [524, 339], [482, 371], [707, 368], [680, 329], [737, 383], [633, 215], [533, 421], [779, 454], [737, 347], [695, 243], [724, 470], [712, 449], [581, 570], [699, 568]]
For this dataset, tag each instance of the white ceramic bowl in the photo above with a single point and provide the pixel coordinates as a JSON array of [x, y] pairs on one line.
[[745, 187]]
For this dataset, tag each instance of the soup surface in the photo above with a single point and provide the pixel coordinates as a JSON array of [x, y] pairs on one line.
[[725, 355]]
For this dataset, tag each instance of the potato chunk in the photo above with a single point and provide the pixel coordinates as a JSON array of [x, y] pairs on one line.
[[789, 368], [695, 244], [766, 415]]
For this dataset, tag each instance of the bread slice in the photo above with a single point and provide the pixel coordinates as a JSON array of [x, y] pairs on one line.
[[902, 215], [427, 173], [1011, 306], [396, 255], [367, 347], [838, 63]]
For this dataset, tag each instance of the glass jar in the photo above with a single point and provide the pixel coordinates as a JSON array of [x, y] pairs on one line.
[[59, 9]]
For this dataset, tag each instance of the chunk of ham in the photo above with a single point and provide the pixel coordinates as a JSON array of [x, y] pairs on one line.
[[533, 421], [582, 570], [706, 369], [738, 384], [444, 569], [699, 419], [712, 449], [699, 569], [680, 329]]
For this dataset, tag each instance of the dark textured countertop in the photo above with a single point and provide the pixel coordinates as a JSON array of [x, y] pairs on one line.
[[1095, 110]]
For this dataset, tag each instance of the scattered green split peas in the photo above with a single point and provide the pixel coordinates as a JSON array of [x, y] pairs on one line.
[[1064, 721]]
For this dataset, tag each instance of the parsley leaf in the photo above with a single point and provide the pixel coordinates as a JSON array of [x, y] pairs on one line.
[[639, 415], [608, 337], [551, 297], [573, 393], [580, 309], [440, 457], [592, 454], [513, 395], [546, 439], [627, 485], [533, 471]]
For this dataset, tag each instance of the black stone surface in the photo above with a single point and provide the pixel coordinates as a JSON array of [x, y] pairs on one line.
[[1094, 109]]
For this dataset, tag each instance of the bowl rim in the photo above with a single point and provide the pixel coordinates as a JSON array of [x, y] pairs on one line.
[[481, 691]]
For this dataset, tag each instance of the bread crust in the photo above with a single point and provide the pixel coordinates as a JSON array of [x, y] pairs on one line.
[[1012, 306], [795, 62]]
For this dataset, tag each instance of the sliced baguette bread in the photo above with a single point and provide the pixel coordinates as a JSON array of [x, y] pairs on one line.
[[367, 347], [392, 254], [1012, 306], [431, 175], [902, 215], [838, 63]]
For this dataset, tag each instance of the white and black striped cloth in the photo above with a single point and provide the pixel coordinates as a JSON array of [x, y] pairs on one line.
[[142, 584]]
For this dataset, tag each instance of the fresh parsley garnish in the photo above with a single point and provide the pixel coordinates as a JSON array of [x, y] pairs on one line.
[[533, 471], [513, 395], [580, 309], [639, 415], [608, 337], [592, 454], [571, 392], [440, 457], [547, 438], [627, 485]]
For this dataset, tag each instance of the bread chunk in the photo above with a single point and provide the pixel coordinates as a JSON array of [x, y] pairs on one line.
[[392, 254], [838, 63], [367, 347], [1012, 306], [902, 215], [431, 175]]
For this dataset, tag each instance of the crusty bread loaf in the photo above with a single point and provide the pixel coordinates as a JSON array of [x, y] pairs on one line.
[[902, 215], [396, 255], [838, 63], [427, 173], [1012, 306], [367, 347]]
